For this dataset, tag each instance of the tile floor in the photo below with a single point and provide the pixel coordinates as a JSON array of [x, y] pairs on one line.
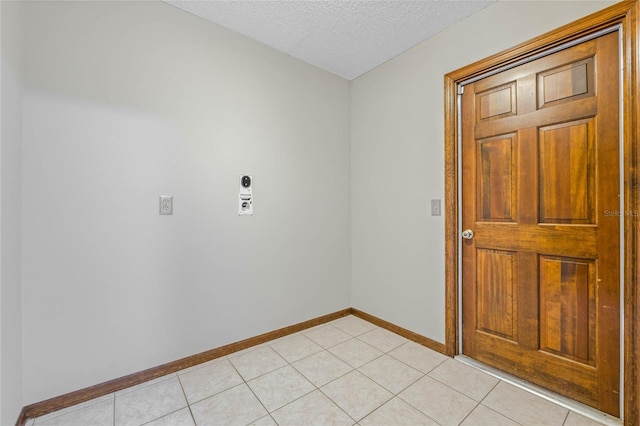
[[345, 372]]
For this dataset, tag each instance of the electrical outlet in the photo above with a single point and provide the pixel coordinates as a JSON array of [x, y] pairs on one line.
[[166, 204]]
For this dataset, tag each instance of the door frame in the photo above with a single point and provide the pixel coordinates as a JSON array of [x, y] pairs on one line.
[[624, 14]]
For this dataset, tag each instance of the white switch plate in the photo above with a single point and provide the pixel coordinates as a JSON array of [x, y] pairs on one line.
[[166, 204], [436, 209]]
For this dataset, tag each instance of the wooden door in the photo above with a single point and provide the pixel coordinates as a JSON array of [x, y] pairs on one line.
[[540, 185]]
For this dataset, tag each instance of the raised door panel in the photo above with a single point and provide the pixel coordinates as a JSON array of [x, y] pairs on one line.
[[568, 311], [496, 297], [567, 173], [496, 179], [566, 83], [496, 102]]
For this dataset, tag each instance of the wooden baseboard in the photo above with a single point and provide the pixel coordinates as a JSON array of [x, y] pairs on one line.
[[22, 418], [424, 341], [58, 403]]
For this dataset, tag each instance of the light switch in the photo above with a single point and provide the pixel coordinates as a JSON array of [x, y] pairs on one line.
[[436, 209]]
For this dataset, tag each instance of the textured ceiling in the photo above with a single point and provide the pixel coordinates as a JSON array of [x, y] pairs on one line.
[[346, 37]]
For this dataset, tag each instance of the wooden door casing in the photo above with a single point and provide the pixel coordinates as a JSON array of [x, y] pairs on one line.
[[540, 188]]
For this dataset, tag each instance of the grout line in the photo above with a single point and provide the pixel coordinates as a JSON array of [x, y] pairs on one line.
[[410, 366], [186, 399], [251, 390], [376, 408], [416, 408], [469, 413], [455, 390], [316, 388], [498, 412], [339, 407], [326, 349], [357, 369], [488, 393], [486, 406], [545, 394]]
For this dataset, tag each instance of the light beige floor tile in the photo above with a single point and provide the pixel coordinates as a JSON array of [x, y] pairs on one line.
[[394, 375], [419, 357], [258, 362], [524, 407], [483, 416], [236, 406], [204, 382], [465, 379], [312, 409], [441, 403], [399, 413], [100, 414], [145, 384], [356, 394], [103, 399], [179, 418], [355, 352], [296, 347], [574, 419], [383, 340], [315, 327], [327, 335], [280, 387], [322, 368], [148, 403], [353, 325], [265, 421]]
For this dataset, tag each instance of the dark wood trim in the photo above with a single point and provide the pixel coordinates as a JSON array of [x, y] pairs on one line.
[[424, 341], [451, 217], [631, 86], [58, 403], [22, 418], [625, 14]]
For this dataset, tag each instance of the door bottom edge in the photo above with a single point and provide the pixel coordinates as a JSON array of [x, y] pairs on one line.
[[563, 401]]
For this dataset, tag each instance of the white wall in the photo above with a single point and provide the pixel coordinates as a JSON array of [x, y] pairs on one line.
[[397, 160], [10, 212], [125, 101]]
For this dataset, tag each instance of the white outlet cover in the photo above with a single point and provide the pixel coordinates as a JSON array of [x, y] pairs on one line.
[[166, 205], [245, 204]]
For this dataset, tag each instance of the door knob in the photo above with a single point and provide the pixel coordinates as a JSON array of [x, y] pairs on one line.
[[467, 234]]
